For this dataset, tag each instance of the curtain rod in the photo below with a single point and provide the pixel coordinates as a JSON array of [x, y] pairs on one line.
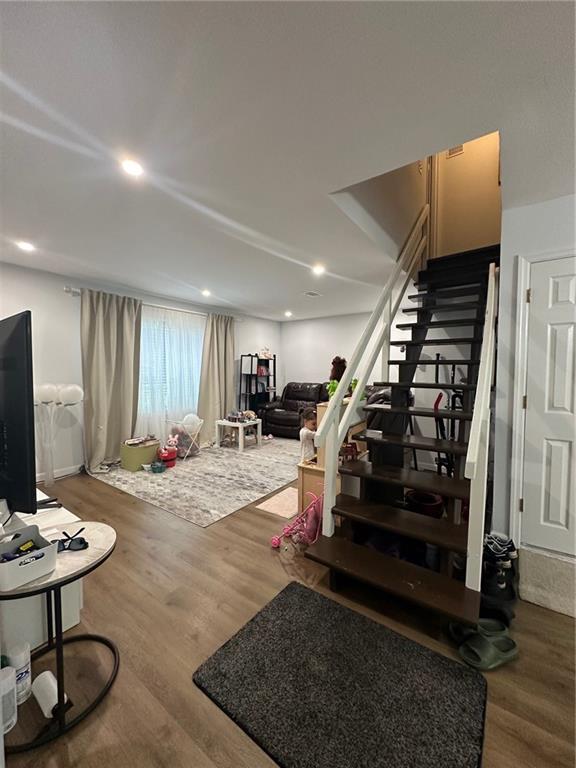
[[76, 292]]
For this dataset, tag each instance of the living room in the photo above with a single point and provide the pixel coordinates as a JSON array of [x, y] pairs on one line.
[[270, 385]]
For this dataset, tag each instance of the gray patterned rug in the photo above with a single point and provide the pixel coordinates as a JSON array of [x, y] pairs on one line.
[[216, 482]]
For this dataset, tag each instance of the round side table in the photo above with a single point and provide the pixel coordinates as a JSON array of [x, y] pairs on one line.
[[70, 566]]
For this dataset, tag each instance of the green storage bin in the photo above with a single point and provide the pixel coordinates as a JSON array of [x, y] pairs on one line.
[[133, 456]]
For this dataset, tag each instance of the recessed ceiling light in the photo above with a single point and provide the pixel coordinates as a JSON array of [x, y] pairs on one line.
[[132, 167], [318, 269], [205, 292], [287, 313], [25, 246]]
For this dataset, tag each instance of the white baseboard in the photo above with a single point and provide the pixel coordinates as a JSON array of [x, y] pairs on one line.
[[548, 579], [63, 472]]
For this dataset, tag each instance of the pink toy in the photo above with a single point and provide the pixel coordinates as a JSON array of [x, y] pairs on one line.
[[168, 453], [172, 441], [307, 526]]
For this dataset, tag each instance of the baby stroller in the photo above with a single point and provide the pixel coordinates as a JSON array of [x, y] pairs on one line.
[[307, 526]]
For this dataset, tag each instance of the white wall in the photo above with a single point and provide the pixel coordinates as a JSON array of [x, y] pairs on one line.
[[537, 228], [55, 344], [56, 340], [308, 346], [386, 206]]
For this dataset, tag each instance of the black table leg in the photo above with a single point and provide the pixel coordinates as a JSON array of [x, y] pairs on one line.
[[61, 714], [49, 619]]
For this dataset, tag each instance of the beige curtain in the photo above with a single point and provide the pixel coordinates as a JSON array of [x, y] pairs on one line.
[[216, 396], [110, 336]]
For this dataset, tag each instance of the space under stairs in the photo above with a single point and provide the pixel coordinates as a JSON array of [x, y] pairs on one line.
[[449, 310]]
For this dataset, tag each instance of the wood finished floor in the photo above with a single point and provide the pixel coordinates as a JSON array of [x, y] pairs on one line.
[[170, 606]]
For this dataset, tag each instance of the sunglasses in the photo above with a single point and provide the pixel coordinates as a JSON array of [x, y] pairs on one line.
[[72, 543]]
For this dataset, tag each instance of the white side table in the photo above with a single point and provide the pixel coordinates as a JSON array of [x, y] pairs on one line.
[[240, 426]]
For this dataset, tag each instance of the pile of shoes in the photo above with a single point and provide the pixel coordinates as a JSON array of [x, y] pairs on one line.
[[488, 645], [499, 578]]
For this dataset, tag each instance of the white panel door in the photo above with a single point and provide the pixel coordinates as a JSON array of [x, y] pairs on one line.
[[549, 518]]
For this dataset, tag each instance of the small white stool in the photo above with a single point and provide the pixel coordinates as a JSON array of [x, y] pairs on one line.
[[240, 426]]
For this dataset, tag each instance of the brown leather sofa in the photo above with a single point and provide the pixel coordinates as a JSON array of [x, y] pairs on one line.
[[282, 418]]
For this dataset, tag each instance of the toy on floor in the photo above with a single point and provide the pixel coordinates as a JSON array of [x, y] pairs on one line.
[[349, 452], [169, 452], [306, 528], [188, 432]]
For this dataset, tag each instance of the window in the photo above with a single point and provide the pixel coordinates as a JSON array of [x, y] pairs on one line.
[[170, 361]]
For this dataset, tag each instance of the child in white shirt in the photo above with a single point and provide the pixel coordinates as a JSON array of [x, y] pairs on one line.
[[307, 433]]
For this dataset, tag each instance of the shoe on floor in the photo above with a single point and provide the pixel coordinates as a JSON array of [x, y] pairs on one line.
[[485, 653]]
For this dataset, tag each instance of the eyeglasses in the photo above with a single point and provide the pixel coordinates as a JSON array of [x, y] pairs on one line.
[[72, 543]]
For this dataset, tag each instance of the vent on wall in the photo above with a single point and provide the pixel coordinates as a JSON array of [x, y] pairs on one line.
[[453, 151], [312, 294]]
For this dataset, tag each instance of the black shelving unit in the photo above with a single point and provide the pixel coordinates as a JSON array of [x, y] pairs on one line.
[[257, 381]]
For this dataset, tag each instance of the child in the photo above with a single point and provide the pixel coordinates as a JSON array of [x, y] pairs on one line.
[[307, 433]]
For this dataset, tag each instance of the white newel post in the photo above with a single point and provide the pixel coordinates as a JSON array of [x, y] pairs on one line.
[[330, 475], [477, 513]]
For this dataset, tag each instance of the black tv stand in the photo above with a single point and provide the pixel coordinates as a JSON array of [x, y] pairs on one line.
[[50, 503]]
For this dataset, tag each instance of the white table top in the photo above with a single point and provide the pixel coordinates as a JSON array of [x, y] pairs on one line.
[[71, 565], [45, 518], [226, 423]]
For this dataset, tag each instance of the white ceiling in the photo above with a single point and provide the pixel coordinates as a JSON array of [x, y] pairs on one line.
[[247, 116]]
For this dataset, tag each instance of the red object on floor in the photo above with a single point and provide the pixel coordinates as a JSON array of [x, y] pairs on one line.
[[168, 456]]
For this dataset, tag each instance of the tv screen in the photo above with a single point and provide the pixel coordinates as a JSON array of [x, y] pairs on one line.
[[17, 449]]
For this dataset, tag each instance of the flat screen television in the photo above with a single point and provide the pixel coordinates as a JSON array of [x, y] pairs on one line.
[[17, 449]]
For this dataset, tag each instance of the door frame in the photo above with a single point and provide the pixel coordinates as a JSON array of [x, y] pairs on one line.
[[524, 266]]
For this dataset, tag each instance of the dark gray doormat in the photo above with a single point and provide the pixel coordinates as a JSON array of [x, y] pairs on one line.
[[317, 685]]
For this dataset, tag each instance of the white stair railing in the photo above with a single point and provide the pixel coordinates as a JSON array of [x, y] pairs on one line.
[[332, 430], [476, 469]]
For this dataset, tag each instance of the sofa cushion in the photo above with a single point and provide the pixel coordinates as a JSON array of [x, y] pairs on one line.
[[282, 416], [302, 392]]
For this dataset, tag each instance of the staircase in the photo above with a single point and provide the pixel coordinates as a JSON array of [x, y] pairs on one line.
[[457, 295]]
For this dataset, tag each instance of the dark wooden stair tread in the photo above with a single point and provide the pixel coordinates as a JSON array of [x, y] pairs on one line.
[[439, 385], [458, 321], [463, 306], [432, 283], [432, 342], [414, 410], [418, 442], [457, 488], [441, 533], [434, 362], [419, 585], [478, 256], [447, 293]]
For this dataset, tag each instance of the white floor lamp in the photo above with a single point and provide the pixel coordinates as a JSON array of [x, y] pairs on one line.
[[50, 401]]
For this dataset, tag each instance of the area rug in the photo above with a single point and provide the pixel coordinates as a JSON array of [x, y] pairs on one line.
[[284, 503], [317, 685], [205, 488]]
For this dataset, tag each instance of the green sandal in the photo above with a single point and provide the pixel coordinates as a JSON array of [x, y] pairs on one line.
[[485, 653], [487, 627]]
